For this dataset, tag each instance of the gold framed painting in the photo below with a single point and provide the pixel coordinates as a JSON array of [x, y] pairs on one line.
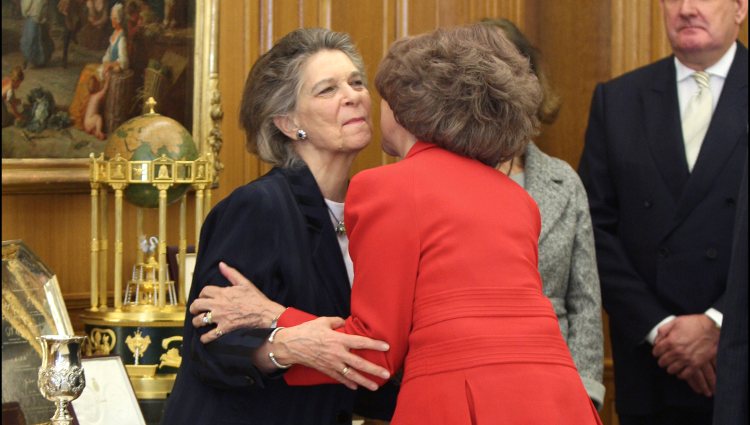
[[74, 70]]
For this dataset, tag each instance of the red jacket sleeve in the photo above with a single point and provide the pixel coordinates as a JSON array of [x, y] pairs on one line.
[[384, 245]]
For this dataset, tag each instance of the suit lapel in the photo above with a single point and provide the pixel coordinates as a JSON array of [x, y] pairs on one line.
[[728, 127], [324, 246], [663, 128], [543, 184]]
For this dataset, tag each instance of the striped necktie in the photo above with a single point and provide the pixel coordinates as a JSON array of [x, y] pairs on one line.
[[697, 118]]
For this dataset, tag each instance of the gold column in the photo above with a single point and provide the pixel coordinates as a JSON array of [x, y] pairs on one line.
[[198, 214], [118, 245], [162, 242], [207, 204], [103, 243], [182, 250], [94, 243]]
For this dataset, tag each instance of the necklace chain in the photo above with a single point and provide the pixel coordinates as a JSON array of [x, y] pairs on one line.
[[339, 228]]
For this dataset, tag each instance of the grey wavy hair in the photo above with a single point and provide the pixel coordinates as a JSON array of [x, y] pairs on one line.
[[466, 89], [272, 87]]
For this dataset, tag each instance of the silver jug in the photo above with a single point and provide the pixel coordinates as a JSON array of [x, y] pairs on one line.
[[61, 378]]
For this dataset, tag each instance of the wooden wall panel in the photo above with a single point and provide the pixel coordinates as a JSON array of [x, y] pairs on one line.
[[284, 16], [372, 36], [632, 28], [421, 15], [240, 41], [577, 53]]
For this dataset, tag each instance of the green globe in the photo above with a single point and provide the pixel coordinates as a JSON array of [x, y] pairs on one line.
[[145, 138]]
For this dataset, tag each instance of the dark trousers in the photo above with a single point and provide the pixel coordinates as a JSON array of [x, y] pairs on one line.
[[671, 416]]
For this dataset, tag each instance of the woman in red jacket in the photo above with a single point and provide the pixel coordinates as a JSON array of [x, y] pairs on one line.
[[445, 247]]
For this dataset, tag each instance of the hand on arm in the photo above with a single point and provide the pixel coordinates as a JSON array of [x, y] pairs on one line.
[[317, 345], [241, 305], [314, 344], [687, 347]]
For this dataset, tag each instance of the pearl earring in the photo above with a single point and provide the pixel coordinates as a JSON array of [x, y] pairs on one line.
[[301, 134]]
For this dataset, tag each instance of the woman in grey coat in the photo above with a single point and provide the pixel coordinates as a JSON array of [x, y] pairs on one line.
[[567, 260]]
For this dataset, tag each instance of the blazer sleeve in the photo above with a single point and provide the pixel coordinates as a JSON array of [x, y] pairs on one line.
[[622, 287], [385, 248], [584, 303], [240, 232]]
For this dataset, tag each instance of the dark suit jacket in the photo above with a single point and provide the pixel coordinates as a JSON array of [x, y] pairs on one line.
[[275, 231], [663, 234], [731, 384]]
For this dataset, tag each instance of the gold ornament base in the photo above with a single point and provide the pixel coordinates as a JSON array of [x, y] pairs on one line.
[[150, 334], [156, 388]]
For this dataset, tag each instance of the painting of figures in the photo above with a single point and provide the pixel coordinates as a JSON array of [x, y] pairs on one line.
[[74, 70]]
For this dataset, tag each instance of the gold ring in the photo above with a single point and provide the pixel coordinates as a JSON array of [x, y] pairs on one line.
[[218, 332], [207, 319], [345, 370]]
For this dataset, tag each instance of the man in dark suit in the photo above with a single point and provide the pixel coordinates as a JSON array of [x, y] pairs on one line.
[[664, 154], [731, 365]]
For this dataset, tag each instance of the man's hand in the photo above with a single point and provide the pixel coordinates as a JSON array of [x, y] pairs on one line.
[[317, 345], [687, 347], [241, 305], [702, 381]]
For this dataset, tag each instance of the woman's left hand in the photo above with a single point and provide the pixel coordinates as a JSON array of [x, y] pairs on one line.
[[317, 345], [241, 305]]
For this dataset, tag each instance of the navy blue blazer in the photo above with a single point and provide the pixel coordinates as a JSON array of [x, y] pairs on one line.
[[275, 231], [663, 234]]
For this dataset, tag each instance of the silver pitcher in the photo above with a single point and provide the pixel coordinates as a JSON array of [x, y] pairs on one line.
[[61, 378]]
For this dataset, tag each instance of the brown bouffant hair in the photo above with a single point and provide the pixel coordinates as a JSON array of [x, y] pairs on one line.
[[465, 89], [272, 87], [550, 106]]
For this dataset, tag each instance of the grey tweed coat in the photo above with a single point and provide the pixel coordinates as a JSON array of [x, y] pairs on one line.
[[567, 262]]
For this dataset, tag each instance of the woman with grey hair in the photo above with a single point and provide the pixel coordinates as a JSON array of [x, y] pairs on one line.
[[445, 247], [306, 110]]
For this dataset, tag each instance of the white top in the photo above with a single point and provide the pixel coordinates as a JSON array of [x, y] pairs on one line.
[[687, 87], [338, 210]]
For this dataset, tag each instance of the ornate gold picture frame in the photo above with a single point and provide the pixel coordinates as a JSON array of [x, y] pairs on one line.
[[43, 175]]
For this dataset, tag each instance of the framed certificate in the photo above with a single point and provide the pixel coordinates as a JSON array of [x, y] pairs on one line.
[[108, 398]]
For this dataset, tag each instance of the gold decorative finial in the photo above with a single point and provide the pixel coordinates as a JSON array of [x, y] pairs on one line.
[[137, 344], [150, 103]]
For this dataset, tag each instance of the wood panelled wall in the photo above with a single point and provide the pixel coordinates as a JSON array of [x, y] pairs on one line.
[[583, 42]]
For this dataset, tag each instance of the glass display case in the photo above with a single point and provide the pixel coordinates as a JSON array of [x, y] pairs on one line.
[[32, 306]]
